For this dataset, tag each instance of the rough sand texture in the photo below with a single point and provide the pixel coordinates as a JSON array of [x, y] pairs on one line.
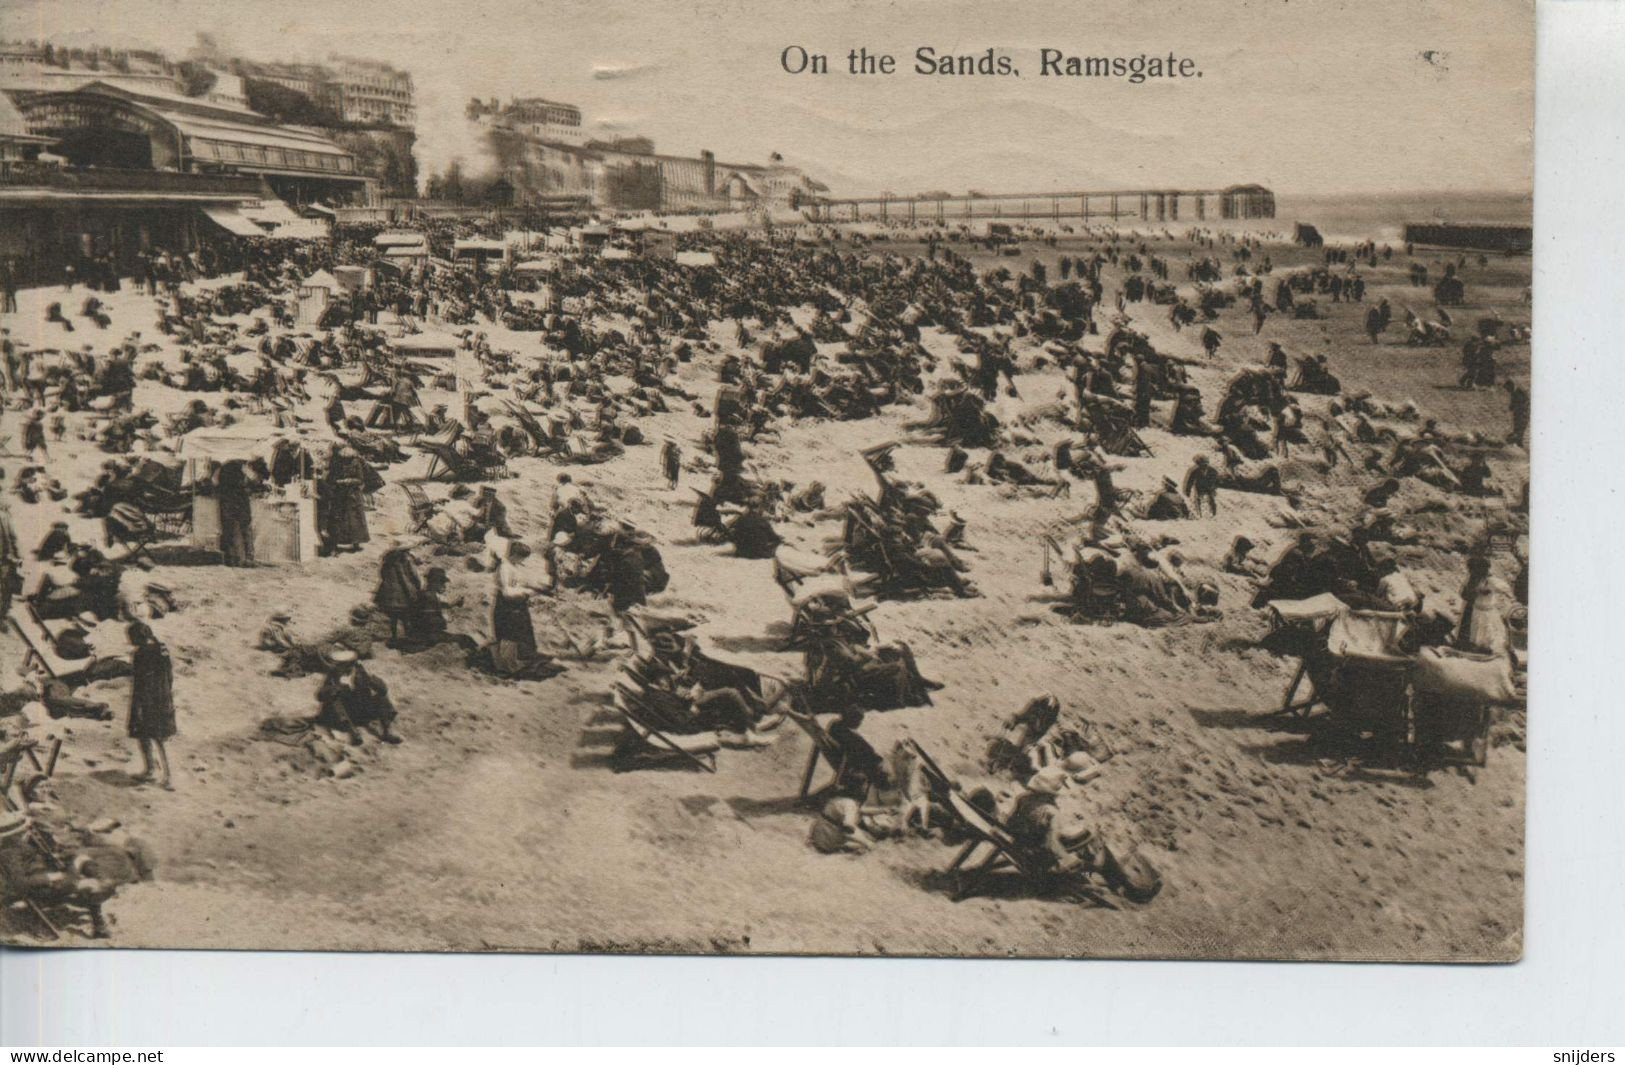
[[499, 825]]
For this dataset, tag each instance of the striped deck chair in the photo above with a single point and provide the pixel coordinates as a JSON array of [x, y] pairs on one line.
[[651, 731]]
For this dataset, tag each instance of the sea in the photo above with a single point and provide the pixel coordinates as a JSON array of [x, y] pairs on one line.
[[1382, 217]]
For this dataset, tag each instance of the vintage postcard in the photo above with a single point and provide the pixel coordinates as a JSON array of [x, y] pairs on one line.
[[933, 478]]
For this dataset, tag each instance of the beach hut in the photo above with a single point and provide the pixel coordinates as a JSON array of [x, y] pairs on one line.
[[410, 249], [402, 250], [480, 252], [316, 294], [282, 527]]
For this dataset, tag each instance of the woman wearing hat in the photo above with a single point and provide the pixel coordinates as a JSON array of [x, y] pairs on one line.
[[152, 699], [399, 588], [350, 697], [513, 646], [343, 514]]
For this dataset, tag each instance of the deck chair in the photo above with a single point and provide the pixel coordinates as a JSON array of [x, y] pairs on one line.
[[823, 749], [25, 620], [986, 833], [445, 462], [11, 760], [855, 609], [1309, 619], [127, 526], [645, 721], [419, 507], [167, 509], [791, 567], [1002, 853], [1125, 441], [36, 636]]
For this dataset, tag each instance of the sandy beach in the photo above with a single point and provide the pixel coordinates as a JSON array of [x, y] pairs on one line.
[[499, 823]]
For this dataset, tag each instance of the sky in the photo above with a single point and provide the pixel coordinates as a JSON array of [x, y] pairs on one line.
[[1310, 97]]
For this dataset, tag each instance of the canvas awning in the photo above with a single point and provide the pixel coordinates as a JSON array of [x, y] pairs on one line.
[[228, 445], [232, 220], [273, 213]]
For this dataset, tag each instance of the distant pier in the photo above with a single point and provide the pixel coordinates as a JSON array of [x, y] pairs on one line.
[[1147, 205]]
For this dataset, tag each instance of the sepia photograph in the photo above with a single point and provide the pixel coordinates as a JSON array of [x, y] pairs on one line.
[[723, 478]]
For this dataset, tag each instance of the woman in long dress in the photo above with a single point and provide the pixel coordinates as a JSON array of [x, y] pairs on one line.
[[513, 646], [399, 589], [152, 700], [1483, 626], [236, 515], [345, 517]]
